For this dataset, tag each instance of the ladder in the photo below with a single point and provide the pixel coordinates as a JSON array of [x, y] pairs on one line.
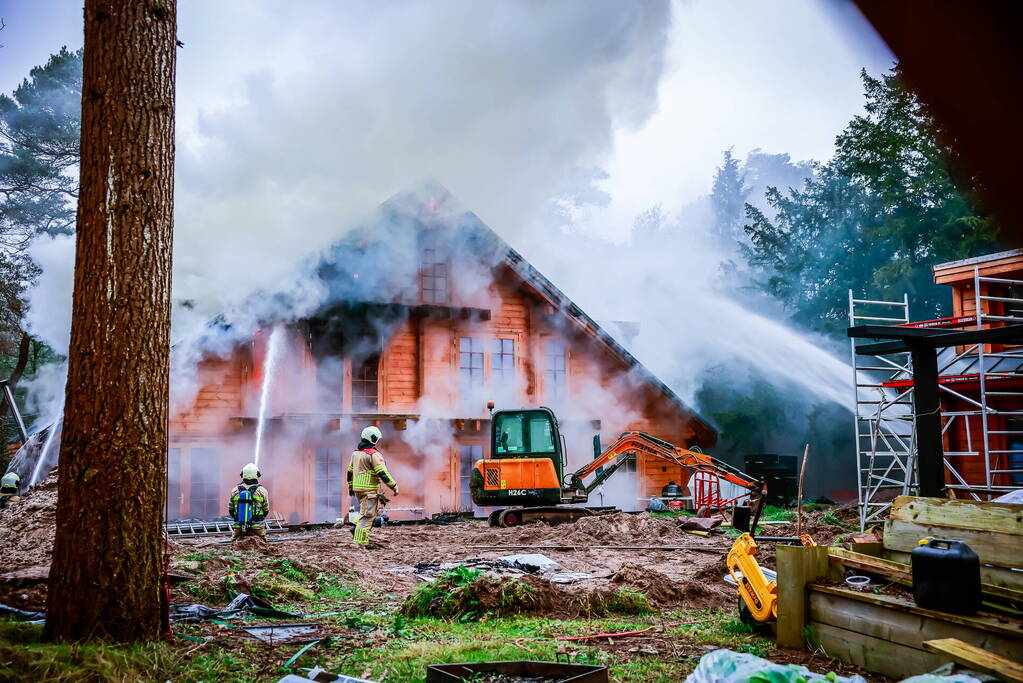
[[214, 527], [883, 418]]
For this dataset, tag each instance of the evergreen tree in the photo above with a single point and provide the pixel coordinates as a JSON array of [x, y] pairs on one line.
[[39, 131], [728, 198], [875, 218]]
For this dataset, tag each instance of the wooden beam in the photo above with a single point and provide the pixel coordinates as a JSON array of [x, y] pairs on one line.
[[1001, 625], [902, 627], [873, 654], [902, 573], [797, 566], [977, 658], [989, 516], [1002, 549], [999, 577]]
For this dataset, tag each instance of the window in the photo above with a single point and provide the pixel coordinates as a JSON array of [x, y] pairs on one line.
[[434, 280], [470, 368], [329, 373], [554, 370], [524, 432], [364, 385], [468, 456], [204, 499], [502, 367], [329, 483], [173, 484]]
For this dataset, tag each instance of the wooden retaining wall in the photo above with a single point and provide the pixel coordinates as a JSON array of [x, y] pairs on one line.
[[886, 633]]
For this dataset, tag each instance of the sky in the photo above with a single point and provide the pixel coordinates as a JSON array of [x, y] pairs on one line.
[[294, 120], [782, 76]]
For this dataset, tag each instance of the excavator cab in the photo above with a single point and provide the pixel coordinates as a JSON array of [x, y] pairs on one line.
[[527, 461]]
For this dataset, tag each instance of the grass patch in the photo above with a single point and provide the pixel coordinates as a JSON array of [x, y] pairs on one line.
[[332, 588], [24, 657], [622, 601], [773, 513], [830, 518]]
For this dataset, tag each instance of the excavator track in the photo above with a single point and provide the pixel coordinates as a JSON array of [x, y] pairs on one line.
[[551, 515]]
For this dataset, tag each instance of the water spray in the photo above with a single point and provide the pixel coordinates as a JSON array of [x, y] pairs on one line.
[[273, 349], [50, 436]]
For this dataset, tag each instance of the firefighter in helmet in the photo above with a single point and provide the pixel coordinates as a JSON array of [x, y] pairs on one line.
[[9, 489], [365, 472], [249, 504]]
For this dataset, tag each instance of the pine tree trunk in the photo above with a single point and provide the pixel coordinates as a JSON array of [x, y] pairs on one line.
[[105, 576]]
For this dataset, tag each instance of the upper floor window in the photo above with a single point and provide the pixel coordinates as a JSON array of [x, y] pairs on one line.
[[502, 365], [555, 370], [365, 382], [470, 367], [434, 281]]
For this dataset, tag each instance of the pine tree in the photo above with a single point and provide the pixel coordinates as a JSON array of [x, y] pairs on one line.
[[105, 576]]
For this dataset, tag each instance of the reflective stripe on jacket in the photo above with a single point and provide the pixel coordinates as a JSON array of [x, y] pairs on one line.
[[367, 469]]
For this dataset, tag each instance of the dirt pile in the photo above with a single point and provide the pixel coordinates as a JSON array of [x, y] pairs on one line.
[[469, 595], [618, 528], [27, 527], [704, 590], [830, 526]]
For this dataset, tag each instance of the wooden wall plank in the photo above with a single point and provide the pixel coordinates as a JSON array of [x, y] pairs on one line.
[[1012, 628], [874, 654], [994, 576], [902, 627], [1001, 549], [797, 566], [977, 659], [988, 516]]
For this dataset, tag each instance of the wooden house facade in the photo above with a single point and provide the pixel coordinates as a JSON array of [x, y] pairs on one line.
[[427, 316]]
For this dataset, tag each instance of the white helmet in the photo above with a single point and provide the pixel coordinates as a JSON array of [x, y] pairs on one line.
[[10, 481], [250, 471], [371, 434]]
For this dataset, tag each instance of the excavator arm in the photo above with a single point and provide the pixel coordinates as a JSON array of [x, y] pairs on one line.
[[631, 444]]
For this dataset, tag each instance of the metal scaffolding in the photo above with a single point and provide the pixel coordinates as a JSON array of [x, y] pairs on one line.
[[978, 386], [882, 418]]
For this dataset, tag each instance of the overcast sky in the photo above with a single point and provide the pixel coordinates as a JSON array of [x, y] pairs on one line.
[[295, 117]]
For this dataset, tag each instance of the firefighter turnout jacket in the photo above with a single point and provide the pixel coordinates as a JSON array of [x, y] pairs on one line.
[[260, 497], [367, 469]]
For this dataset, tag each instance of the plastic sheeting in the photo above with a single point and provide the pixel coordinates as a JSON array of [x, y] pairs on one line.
[[22, 615], [241, 606], [727, 666]]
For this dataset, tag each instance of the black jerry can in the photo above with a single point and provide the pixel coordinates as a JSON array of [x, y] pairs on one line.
[[946, 576]]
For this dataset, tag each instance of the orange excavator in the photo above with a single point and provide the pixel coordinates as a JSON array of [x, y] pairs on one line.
[[526, 469]]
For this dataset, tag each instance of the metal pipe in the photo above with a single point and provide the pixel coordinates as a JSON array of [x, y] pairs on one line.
[[13, 407]]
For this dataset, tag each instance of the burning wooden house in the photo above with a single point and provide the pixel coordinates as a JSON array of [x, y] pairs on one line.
[[421, 316]]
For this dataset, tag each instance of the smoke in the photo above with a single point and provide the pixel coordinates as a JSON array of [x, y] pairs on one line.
[[315, 113], [296, 120]]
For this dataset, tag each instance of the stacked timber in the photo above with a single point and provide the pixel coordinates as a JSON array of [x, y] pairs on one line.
[[880, 628]]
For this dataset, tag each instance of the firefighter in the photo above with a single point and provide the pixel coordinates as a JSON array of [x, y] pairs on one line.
[[9, 489], [365, 472], [249, 504]]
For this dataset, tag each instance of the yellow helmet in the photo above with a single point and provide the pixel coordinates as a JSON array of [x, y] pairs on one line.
[[10, 481], [251, 471]]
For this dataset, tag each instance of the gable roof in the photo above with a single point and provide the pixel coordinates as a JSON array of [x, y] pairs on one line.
[[431, 207], [548, 291]]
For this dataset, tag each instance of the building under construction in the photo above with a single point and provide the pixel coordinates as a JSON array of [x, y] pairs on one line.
[[980, 385]]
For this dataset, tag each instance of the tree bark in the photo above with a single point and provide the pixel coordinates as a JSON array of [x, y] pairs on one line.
[[105, 575], [19, 369]]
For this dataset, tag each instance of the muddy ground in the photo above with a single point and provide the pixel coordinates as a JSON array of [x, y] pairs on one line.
[[674, 582]]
